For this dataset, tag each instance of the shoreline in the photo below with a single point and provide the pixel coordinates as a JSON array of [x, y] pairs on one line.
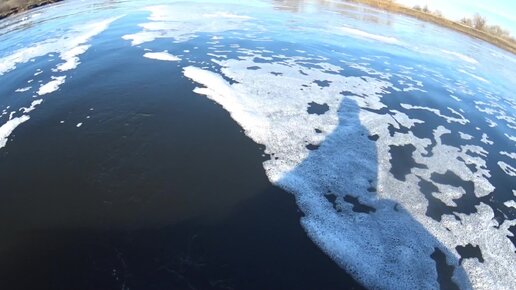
[[380, 4], [30, 4], [441, 21]]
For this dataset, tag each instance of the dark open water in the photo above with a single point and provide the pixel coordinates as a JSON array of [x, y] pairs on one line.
[[158, 189]]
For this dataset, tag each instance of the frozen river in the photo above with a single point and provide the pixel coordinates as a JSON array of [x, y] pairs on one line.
[[265, 145]]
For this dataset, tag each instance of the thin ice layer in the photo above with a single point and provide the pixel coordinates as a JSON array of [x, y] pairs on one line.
[[7, 128], [461, 56], [367, 35], [271, 115], [398, 237], [183, 22]]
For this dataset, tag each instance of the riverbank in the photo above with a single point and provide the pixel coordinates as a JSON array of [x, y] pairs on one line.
[[421, 15], [11, 7]]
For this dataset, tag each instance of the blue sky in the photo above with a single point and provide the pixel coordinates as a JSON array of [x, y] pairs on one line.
[[500, 12]]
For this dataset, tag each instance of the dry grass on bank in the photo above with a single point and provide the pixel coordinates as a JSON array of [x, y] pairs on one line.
[[9, 7], [492, 34]]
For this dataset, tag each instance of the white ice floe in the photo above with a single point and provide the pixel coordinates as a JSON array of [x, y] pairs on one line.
[[51, 86], [163, 55]]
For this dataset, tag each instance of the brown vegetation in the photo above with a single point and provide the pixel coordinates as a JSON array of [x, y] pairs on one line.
[[9, 7], [476, 26]]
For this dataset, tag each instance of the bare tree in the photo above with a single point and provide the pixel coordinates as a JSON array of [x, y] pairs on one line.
[[479, 21], [466, 21], [498, 31]]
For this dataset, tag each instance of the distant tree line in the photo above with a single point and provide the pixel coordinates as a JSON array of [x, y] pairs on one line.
[[478, 22], [426, 10]]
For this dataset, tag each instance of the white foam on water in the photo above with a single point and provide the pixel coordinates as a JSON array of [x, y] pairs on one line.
[[461, 56], [69, 46], [51, 86], [78, 125], [7, 128], [163, 55], [398, 238], [370, 36]]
